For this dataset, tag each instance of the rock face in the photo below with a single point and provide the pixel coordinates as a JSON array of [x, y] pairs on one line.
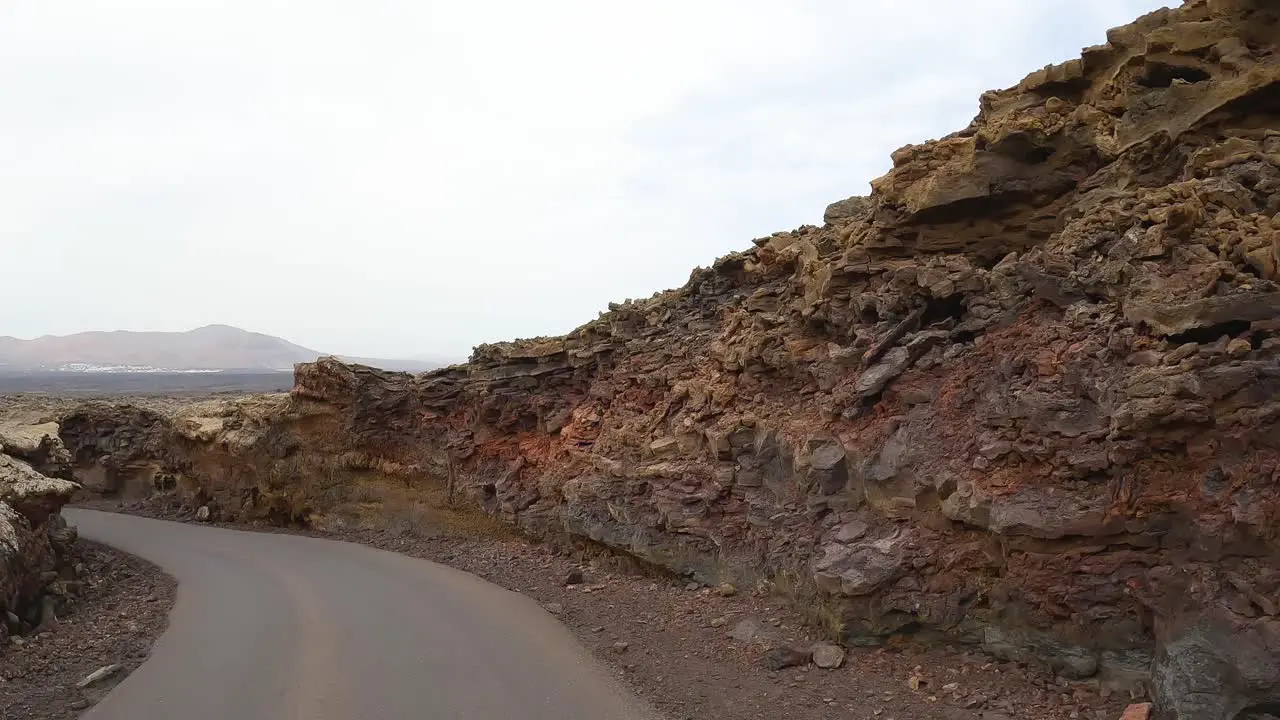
[[1021, 397], [35, 542]]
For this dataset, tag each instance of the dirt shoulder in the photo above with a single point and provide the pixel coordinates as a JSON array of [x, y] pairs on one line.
[[123, 609], [673, 643]]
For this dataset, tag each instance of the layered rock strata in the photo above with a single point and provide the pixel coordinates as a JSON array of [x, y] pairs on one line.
[[1022, 396]]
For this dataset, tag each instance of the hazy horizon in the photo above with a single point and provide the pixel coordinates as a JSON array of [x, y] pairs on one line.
[[422, 356], [396, 179]]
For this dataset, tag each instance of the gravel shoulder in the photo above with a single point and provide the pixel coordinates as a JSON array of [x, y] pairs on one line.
[[672, 642], [123, 609]]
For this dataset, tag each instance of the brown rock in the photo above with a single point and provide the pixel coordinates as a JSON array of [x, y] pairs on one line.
[[1053, 280], [851, 531], [783, 657], [34, 540]]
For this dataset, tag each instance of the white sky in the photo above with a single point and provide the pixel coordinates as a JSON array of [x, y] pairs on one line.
[[398, 177]]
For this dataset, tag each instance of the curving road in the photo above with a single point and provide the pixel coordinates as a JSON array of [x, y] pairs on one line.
[[269, 627]]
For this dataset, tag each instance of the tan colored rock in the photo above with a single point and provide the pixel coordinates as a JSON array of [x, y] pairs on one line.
[[31, 533], [828, 656]]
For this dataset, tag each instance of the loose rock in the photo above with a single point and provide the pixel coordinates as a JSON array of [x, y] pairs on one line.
[[828, 656], [779, 658], [99, 675]]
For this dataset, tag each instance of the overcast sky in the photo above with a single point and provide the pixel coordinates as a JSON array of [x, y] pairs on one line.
[[398, 177]]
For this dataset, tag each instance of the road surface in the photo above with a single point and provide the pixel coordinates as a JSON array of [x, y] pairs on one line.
[[275, 627]]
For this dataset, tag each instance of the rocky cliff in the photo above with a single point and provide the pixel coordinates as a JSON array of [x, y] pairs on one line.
[[1021, 397], [36, 576]]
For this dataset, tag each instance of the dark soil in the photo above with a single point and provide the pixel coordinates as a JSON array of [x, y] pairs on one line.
[[671, 642], [123, 609]]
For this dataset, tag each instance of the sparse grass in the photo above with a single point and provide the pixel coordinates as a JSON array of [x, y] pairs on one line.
[[384, 502], [365, 493], [816, 610], [375, 501], [352, 489], [416, 519]]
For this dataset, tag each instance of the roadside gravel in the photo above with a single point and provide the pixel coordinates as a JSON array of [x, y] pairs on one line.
[[123, 609]]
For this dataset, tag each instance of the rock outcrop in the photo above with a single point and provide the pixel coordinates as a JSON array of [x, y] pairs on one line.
[[1021, 397], [35, 542]]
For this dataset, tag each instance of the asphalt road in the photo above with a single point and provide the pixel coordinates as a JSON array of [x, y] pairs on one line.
[[273, 626]]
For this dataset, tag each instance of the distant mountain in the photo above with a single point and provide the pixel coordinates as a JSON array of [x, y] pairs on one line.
[[213, 347]]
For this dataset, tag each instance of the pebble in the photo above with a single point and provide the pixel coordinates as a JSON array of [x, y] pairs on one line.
[[100, 674]]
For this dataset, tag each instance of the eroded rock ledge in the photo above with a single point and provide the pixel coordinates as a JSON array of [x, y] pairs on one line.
[[1022, 396], [35, 542]]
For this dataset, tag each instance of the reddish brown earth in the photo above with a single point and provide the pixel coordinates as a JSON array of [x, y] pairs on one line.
[[1019, 400]]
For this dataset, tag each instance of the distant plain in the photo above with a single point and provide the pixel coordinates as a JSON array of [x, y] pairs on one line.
[[159, 383]]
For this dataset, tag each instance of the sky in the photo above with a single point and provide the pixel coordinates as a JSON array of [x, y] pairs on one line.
[[393, 178]]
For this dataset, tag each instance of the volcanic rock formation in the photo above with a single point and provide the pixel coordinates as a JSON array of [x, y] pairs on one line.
[[1022, 396], [35, 542]]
